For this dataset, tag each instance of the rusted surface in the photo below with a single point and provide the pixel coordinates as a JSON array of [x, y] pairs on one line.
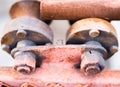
[[25, 62], [27, 85], [25, 8], [77, 56], [93, 29], [92, 61], [36, 31], [25, 24], [78, 9], [59, 76]]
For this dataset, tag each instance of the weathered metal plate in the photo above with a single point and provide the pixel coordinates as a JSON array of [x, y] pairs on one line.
[[55, 75]]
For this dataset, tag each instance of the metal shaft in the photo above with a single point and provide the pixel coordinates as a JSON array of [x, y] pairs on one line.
[[78, 9]]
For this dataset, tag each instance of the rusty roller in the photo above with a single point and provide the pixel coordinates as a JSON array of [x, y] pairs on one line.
[[93, 29], [78, 9], [28, 8], [25, 29], [25, 25], [100, 36]]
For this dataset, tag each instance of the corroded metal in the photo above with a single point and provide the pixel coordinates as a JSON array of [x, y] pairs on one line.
[[26, 8], [92, 60], [25, 62], [59, 70], [60, 77], [93, 29], [37, 31], [78, 9], [25, 24], [73, 55]]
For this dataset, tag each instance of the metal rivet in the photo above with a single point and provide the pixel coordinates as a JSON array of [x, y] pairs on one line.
[[21, 33], [94, 33], [114, 49]]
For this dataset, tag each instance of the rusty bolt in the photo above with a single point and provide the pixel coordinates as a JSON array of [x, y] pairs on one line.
[[114, 49], [21, 33], [92, 62], [25, 62], [92, 59], [94, 33], [6, 47]]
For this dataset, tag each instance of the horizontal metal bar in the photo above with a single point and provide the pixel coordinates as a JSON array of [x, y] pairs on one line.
[[78, 9], [53, 76]]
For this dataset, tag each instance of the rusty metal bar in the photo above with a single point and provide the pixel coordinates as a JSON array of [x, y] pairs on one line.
[[60, 77], [78, 9]]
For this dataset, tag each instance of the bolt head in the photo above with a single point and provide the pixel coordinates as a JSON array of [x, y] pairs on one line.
[[94, 33], [21, 33], [114, 49]]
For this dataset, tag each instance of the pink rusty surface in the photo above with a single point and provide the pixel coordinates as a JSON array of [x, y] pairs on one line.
[[78, 9], [55, 75], [58, 70]]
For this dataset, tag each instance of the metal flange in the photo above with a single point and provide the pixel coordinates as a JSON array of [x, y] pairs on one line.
[[26, 8], [94, 29], [26, 28]]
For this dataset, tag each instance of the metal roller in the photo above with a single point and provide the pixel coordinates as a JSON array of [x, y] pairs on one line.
[[93, 29], [25, 25], [26, 8], [78, 9]]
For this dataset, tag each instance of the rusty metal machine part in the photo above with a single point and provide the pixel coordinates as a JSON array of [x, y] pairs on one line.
[[92, 60], [94, 29], [74, 59], [26, 8], [78, 9], [28, 28], [25, 62]]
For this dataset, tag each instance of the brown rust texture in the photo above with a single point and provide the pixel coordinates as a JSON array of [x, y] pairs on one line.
[[80, 32], [78, 9], [25, 8]]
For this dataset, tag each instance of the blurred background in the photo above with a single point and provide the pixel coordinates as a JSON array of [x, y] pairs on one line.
[[59, 28]]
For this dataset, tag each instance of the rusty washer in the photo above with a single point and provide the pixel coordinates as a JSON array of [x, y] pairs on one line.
[[94, 29]]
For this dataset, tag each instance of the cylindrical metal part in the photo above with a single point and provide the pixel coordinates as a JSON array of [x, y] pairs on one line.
[[25, 62], [92, 62], [25, 8], [28, 28], [78, 9], [94, 29]]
